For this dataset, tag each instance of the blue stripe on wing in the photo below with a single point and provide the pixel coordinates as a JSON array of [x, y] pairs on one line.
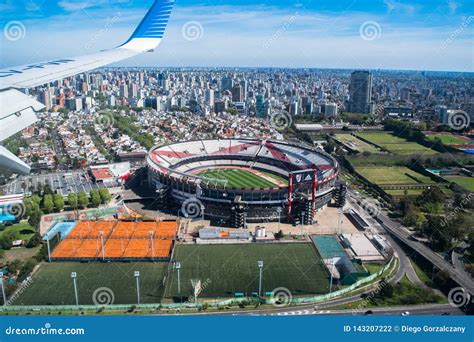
[[154, 23]]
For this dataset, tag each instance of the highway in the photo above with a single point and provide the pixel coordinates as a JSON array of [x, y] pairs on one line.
[[399, 232]]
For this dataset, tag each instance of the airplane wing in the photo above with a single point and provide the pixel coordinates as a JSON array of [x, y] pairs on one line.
[[17, 110]]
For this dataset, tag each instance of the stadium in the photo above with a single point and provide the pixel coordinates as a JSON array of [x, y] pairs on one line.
[[235, 181]]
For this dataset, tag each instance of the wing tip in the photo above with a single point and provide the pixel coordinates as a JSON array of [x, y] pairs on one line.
[[151, 29]]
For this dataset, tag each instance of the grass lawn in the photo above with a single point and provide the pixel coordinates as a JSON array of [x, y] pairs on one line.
[[20, 253], [373, 267], [465, 182], [22, 231], [52, 284], [448, 139], [233, 268], [396, 145], [393, 175], [237, 178], [356, 144]]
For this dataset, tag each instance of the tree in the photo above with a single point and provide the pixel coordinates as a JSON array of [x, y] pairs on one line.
[[82, 200], [14, 266], [329, 147], [72, 200], [105, 195], [95, 197], [58, 202], [48, 204]]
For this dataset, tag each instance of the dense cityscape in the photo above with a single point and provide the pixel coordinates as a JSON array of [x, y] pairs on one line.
[[240, 191]]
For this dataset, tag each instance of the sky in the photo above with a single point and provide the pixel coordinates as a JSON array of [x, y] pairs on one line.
[[349, 34]]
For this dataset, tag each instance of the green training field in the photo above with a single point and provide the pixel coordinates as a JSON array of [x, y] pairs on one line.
[[238, 178], [448, 139], [395, 175], [356, 144], [465, 182], [396, 145], [227, 269], [52, 285]]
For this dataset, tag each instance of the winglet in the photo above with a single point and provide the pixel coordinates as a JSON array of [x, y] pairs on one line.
[[149, 33]]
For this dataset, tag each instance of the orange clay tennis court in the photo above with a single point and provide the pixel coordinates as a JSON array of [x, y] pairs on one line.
[[121, 240]]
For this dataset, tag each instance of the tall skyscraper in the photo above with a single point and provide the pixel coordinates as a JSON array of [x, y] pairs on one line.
[[237, 94], [227, 83], [360, 91], [260, 105]]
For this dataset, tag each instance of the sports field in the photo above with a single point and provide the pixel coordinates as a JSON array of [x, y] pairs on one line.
[[52, 284], [465, 182], [356, 144], [393, 176], [227, 269], [241, 178], [395, 144], [448, 139]]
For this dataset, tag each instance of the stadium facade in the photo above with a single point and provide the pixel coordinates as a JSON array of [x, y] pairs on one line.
[[309, 178]]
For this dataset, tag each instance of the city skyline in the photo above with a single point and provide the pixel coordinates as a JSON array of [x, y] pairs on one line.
[[431, 35]]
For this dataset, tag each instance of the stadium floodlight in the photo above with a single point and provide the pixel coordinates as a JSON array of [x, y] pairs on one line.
[[74, 282], [279, 211], [332, 273], [152, 246], [101, 233], [177, 266], [49, 249], [260, 270], [137, 277], [302, 221], [4, 297]]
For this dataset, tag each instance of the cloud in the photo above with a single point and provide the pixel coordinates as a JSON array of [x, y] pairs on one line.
[[253, 36], [81, 5], [396, 6], [452, 6]]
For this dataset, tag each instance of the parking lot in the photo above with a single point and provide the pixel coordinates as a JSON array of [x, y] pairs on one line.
[[63, 183]]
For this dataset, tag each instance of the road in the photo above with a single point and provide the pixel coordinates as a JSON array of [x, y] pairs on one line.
[[399, 232], [456, 259], [318, 310]]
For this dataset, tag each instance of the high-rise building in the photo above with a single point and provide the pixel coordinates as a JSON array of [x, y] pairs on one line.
[[124, 90], [330, 109], [46, 98], [227, 83], [260, 105], [360, 91], [237, 94]]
